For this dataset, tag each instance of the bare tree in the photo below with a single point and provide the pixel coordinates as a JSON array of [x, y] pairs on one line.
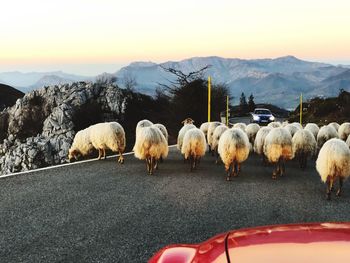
[[129, 80]]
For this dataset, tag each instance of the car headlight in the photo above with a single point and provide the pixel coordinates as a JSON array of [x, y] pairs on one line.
[[256, 118], [272, 118]]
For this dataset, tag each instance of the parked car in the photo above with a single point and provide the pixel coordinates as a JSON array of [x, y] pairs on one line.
[[262, 116], [315, 242]]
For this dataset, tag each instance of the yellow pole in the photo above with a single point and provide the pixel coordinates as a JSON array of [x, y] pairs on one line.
[[301, 108], [209, 97], [227, 110]]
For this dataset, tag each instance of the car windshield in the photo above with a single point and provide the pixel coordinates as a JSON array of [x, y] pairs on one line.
[[262, 112]]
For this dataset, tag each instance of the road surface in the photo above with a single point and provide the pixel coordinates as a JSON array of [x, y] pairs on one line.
[[104, 212]]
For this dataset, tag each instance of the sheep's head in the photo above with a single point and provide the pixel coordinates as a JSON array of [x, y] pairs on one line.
[[73, 155], [187, 121]]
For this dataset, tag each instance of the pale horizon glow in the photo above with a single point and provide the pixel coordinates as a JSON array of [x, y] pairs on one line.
[[89, 37]]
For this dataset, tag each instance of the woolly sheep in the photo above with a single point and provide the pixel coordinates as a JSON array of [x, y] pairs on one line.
[[143, 124], [259, 142], [348, 141], [108, 135], [344, 131], [233, 149], [194, 146], [333, 162], [81, 145], [284, 124], [187, 121], [216, 137], [150, 145], [251, 130], [304, 145], [326, 133], [163, 129], [278, 149], [274, 124], [335, 125], [240, 125], [292, 129], [298, 125], [210, 133], [181, 134], [204, 128], [313, 128]]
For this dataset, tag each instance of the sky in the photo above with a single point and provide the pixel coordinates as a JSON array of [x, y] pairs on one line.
[[89, 37]]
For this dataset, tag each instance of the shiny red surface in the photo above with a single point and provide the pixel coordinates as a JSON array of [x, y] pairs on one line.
[[318, 242]]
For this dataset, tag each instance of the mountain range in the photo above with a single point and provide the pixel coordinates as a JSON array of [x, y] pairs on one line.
[[278, 81]]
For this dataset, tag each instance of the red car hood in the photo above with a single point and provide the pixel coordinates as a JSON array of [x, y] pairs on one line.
[[319, 243]]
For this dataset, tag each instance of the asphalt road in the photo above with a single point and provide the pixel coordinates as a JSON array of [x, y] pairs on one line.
[[104, 212]]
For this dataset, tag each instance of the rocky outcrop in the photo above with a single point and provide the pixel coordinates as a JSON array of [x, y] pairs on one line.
[[40, 127]]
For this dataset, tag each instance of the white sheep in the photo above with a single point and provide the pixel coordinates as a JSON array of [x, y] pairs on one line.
[[81, 145], [333, 162], [187, 121], [204, 128], [313, 128], [163, 129], [326, 133], [181, 134], [240, 125], [278, 149], [275, 124], [348, 141], [304, 145], [108, 135], [259, 142], [143, 124], [101, 136], [251, 130], [298, 125], [335, 125], [210, 133], [150, 145], [292, 129], [344, 130], [216, 137], [194, 146], [233, 149]]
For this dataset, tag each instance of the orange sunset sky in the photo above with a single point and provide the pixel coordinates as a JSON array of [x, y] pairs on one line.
[[89, 37]]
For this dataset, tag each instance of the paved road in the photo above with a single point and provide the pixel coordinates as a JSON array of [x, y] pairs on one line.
[[103, 212]]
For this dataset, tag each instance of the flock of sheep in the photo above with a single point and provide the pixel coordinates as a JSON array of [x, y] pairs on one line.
[[275, 143]]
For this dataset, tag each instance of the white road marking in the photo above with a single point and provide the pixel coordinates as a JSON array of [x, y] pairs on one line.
[[65, 164]]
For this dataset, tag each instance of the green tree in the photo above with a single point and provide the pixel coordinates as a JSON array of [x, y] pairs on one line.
[[243, 105], [251, 103]]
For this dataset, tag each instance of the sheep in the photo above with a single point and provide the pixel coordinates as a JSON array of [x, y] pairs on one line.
[[344, 131], [233, 149], [204, 128], [216, 137], [163, 130], [251, 131], [275, 124], [150, 145], [313, 128], [108, 135], [326, 133], [304, 145], [278, 149], [259, 142], [81, 145], [101, 136], [187, 121], [194, 146], [292, 129], [210, 133], [240, 125], [142, 124], [335, 125], [298, 125], [181, 134], [333, 162]]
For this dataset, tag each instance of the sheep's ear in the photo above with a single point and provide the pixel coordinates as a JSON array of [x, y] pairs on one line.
[[183, 121]]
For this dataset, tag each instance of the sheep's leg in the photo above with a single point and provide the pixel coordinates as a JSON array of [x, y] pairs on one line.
[[121, 158], [147, 165], [103, 153], [239, 168], [191, 163], [151, 166], [275, 171], [99, 154], [340, 186], [155, 164], [329, 187], [217, 157], [161, 159], [209, 148], [282, 167], [228, 170]]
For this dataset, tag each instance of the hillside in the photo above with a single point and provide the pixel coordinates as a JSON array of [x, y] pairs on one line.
[[8, 96], [325, 110]]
